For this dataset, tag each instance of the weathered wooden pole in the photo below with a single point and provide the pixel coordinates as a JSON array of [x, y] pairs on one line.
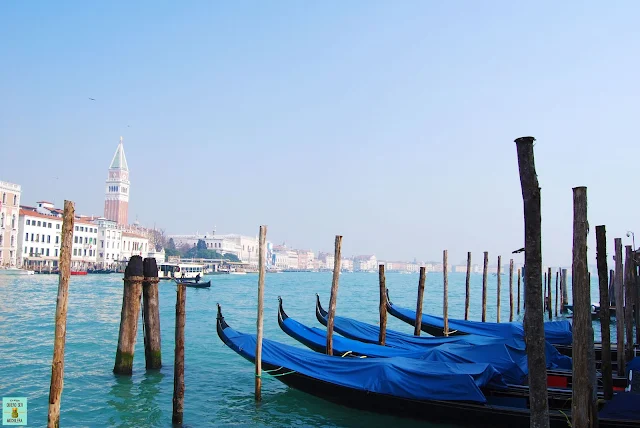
[[636, 296], [629, 294], [445, 298], [498, 288], [619, 291], [133, 276], [584, 411], [612, 287], [421, 280], [334, 294], [383, 306], [178, 364], [467, 299], [62, 302], [544, 294], [533, 317], [519, 291], [601, 257], [557, 291], [484, 286], [550, 295], [151, 314], [262, 243], [565, 292], [511, 290]]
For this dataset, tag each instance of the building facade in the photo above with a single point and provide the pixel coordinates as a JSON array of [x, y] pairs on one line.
[[9, 216], [116, 201], [134, 245]]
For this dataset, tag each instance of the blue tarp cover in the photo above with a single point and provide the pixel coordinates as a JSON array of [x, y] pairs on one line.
[[397, 376], [555, 332], [493, 352], [369, 333], [623, 406]]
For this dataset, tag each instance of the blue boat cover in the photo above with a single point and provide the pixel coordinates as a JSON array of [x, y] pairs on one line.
[[497, 354], [397, 376], [369, 333], [555, 332], [623, 406]]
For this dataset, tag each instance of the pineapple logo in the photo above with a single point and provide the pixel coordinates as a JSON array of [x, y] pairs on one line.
[[14, 412]]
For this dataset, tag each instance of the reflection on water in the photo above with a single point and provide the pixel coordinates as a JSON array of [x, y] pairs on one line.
[[135, 403]]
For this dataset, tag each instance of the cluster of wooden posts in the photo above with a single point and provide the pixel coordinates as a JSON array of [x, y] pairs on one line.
[[140, 283]]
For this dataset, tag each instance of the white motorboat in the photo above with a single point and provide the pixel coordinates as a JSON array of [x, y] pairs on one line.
[[15, 271]]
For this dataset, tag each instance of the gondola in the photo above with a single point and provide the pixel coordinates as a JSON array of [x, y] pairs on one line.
[[193, 284], [440, 393], [558, 333], [557, 363]]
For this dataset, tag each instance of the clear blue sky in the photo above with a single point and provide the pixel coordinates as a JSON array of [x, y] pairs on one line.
[[391, 123]]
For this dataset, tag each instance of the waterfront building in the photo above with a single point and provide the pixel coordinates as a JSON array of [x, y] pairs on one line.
[[40, 234], [9, 214], [109, 243], [116, 201], [244, 247], [134, 245], [367, 263], [346, 265], [83, 250]]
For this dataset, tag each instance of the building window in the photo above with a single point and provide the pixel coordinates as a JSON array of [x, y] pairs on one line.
[[49, 225], [58, 226], [13, 221], [28, 222], [25, 250], [38, 223], [37, 237], [75, 239], [15, 199], [2, 220], [47, 252], [75, 251], [32, 237], [57, 239], [86, 240], [55, 252], [48, 239], [26, 236], [4, 198], [77, 228]]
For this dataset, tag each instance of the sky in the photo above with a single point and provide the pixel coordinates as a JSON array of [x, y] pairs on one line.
[[390, 123]]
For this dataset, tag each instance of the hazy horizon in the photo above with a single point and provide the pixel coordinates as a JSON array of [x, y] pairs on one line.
[[390, 124]]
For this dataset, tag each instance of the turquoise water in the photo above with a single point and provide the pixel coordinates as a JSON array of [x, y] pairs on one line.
[[219, 383]]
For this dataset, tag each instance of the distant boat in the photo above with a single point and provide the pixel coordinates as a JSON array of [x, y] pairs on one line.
[[15, 271], [203, 284], [78, 272]]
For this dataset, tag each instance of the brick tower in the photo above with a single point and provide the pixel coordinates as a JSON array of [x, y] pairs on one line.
[[116, 201]]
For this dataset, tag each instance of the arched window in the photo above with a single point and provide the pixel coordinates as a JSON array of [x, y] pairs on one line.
[[15, 199], [13, 241], [2, 220], [13, 221]]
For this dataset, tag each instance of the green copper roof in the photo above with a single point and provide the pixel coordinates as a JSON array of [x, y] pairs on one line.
[[119, 160]]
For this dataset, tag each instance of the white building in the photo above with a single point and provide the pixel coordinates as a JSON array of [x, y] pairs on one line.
[[85, 240], [9, 213], [365, 263], [244, 247], [134, 245], [39, 243], [109, 243]]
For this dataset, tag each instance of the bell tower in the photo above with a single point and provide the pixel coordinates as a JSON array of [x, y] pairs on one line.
[[116, 201]]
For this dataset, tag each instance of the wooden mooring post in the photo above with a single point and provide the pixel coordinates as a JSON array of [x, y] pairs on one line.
[[151, 314], [519, 274], [178, 364], [499, 276], [603, 285], [584, 411], [133, 276], [334, 294], [544, 294], [484, 286], [445, 297], [421, 281], [629, 301], [619, 296], [262, 251], [62, 303], [565, 292], [533, 317], [557, 291], [467, 299], [550, 306], [383, 306], [511, 290]]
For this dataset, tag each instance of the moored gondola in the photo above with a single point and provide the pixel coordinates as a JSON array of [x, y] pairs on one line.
[[557, 363], [446, 393], [193, 284]]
